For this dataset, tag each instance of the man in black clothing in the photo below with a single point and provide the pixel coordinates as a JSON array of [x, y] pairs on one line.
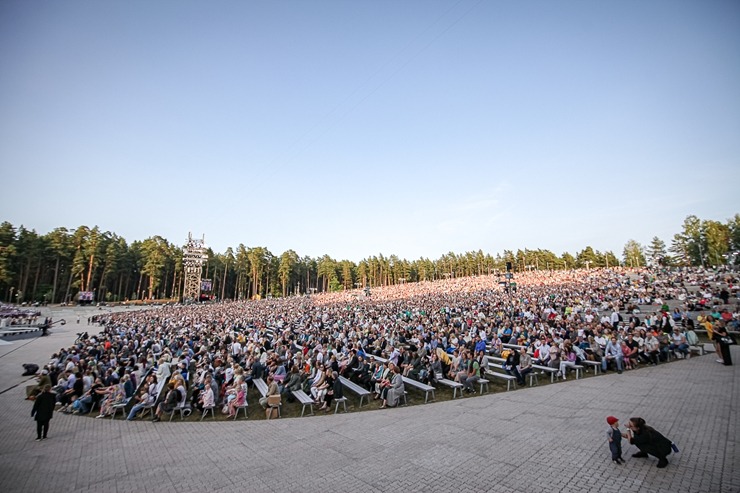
[[42, 412]]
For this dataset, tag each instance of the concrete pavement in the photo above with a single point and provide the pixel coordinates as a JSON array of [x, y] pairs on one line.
[[543, 439]]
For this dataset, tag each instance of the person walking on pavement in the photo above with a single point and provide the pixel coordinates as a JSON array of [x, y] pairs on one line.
[[42, 412]]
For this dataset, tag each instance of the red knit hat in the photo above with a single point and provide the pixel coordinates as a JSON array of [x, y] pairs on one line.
[[611, 420]]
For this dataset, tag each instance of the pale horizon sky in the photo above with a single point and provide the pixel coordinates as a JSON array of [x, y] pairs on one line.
[[350, 128]]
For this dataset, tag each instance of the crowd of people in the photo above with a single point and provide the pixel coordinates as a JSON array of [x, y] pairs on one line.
[[204, 356], [12, 315]]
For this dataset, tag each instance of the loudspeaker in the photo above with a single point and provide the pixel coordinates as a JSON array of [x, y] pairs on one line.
[[508, 266]]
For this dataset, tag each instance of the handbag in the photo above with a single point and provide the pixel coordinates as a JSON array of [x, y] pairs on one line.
[[727, 340]]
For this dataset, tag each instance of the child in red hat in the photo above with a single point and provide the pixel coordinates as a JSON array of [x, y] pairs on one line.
[[614, 436]]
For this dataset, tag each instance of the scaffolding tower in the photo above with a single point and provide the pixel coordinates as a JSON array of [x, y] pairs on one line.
[[193, 257]]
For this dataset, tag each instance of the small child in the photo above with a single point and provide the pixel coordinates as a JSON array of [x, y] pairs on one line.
[[614, 436]]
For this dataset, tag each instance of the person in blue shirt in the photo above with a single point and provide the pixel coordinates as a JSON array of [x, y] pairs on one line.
[[612, 352]]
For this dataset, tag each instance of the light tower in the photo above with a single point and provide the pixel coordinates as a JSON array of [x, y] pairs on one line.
[[193, 257]]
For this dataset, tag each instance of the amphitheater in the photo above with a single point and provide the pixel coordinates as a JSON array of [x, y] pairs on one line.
[[548, 438]]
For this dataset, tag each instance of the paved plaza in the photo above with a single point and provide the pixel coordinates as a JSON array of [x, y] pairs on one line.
[[543, 439]]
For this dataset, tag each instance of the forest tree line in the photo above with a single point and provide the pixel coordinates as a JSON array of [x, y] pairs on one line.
[[54, 267]]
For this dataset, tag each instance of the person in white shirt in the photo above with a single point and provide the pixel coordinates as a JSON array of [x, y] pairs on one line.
[[614, 319], [236, 348]]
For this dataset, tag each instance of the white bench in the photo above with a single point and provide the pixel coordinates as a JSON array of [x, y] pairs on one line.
[[239, 408], [483, 383], [212, 409], [261, 386], [503, 376], [512, 346], [149, 408], [453, 385], [421, 386], [341, 400], [698, 349], [304, 399], [360, 391], [546, 369], [593, 364], [377, 358], [121, 406], [533, 377], [183, 409]]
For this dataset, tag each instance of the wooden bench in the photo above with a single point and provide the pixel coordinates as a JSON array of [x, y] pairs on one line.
[[453, 385], [421, 386], [360, 391], [304, 399]]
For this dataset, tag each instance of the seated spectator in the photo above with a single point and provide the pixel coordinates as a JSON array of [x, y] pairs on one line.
[[512, 365], [525, 364], [43, 380], [678, 343], [272, 389], [381, 379], [394, 390], [336, 392], [651, 349], [612, 353], [633, 350], [627, 363], [115, 395], [239, 398], [146, 397], [170, 402], [72, 394], [568, 359], [293, 382], [472, 375]]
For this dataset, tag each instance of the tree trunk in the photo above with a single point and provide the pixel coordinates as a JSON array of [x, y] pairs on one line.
[[223, 287], [36, 280], [89, 273], [69, 285], [54, 287], [138, 288]]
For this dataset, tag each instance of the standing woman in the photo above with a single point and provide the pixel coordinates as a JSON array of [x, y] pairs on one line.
[[723, 341], [649, 441]]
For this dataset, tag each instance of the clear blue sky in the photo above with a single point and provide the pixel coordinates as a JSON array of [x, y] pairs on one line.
[[362, 127]]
